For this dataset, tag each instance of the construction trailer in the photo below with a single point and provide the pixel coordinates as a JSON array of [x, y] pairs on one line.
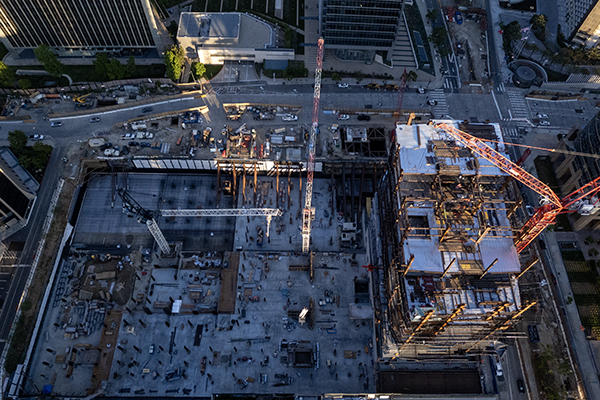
[[449, 263]]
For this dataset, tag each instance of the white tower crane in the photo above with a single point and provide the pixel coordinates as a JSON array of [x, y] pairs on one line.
[[144, 216], [308, 213]]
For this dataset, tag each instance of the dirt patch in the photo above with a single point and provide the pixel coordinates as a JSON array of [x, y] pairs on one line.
[[469, 42]]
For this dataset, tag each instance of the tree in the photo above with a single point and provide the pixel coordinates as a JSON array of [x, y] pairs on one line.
[[411, 76], [100, 64], [538, 26], [174, 59], [18, 142], [539, 20], [359, 75], [115, 70], [7, 75], [336, 77], [49, 60], [198, 69], [24, 84], [432, 15], [439, 37], [173, 29], [130, 67]]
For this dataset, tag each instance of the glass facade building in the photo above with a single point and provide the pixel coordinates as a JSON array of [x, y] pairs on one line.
[[357, 29], [79, 27]]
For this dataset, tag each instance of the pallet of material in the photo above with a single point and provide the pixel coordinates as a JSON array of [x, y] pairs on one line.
[[349, 354]]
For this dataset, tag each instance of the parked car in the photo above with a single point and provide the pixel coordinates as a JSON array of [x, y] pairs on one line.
[[146, 109], [289, 117], [37, 137], [546, 123], [553, 278], [95, 119], [125, 150], [145, 144], [534, 336], [363, 117], [343, 117], [458, 17], [542, 115], [342, 85], [56, 124], [134, 144]]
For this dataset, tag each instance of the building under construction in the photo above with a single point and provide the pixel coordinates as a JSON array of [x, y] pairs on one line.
[[446, 247]]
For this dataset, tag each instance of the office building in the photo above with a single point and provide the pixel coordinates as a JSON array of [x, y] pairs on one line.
[[580, 22], [79, 29], [18, 190], [360, 30], [574, 172]]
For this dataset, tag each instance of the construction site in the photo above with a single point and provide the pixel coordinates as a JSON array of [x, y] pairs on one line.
[[393, 269], [447, 247]]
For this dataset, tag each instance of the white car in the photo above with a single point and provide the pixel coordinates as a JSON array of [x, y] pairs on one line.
[[95, 119], [342, 85], [36, 137], [56, 124], [544, 123], [289, 117], [343, 117], [542, 115]]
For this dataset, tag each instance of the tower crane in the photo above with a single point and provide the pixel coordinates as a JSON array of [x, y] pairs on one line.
[[145, 216], [583, 200], [309, 211]]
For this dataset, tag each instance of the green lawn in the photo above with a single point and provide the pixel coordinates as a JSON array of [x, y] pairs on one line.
[[260, 5], [301, 21], [214, 6], [212, 71], [3, 51], [87, 73], [199, 6], [228, 5], [244, 5], [290, 10], [414, 22]]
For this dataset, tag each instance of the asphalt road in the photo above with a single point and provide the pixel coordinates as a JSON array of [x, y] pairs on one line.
[[33, 233]]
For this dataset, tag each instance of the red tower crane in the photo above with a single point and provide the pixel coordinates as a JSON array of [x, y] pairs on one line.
[[309, 211], [582, 200]]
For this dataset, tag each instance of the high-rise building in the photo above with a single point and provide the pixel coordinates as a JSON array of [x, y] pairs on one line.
[[79, 28], [580, 22], [574, 172], [17, 193], [357, 30]]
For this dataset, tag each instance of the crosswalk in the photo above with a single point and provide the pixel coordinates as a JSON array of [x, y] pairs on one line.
[[500, 88], [441, 108], [518, 105], [509, 133], [450, 83]]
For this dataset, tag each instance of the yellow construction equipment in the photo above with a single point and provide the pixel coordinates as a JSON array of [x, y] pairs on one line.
[[80, 99]]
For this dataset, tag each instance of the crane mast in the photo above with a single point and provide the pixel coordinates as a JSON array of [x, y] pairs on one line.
[[546, 214], [308, 212]]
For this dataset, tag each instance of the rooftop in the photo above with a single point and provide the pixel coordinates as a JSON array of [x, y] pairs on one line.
[[236, 30]]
